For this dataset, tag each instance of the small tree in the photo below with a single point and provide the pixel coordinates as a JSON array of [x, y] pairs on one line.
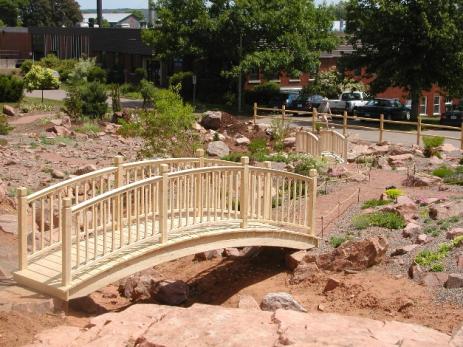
[[94, 98], [40, 78], [167, 129], [116, 98]]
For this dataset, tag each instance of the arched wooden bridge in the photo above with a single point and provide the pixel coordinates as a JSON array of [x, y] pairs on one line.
[[84, 233]]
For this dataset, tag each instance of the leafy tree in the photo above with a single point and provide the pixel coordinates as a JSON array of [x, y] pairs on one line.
[[412, 44], [138, 14], [9, 12], [40, 78], [225, 38], [331, 83], [55, 13]]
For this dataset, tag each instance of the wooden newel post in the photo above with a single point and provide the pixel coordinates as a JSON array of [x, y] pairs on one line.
[[244, 192], [21, 194], [344, 123], [381, 128], [200, 155], [268, 191], [255, 113], [67, 242], [118, 161], [418, 130], [312, 201], [314, 120], [163, 202]]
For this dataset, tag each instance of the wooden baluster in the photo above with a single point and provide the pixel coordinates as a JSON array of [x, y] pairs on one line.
[[21, 194], [294, 200], [50, 206], [137, 214], [223, 194], [311, 203], [277, 199], [244, 197], [42, 223], [237, 197], [34, 229], [163, 201], [85, 211], [67, 242], [105, 216], [129, 217], [113, 224], [267, 191], [300, 214], [171, 204], [259, 196], [230, 193], [207, 201], [153, 208], [289, 200]]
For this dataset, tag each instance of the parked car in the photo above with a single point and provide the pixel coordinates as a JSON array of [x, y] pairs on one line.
[[348, 101], [453, 117], [306, 103], [391, 108], [283, 98]]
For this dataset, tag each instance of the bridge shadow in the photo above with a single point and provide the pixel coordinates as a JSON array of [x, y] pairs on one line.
[[219, 283]]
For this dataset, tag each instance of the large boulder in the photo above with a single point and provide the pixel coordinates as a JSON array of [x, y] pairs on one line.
[[454, 281], [60, 130], [170, 292], [87, 304], [455, 232], [422, 180], [202, 325], [85, 169], [212, 120], [140, 285], [3, 191], [407, 208], [218, 149], [9, 224], [449, 209], [9, 110], [276, 301], [352, 255]]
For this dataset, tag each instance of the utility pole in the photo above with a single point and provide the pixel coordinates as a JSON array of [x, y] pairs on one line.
[[240, 77]]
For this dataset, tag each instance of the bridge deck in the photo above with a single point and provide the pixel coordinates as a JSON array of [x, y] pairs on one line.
[[43, 272]]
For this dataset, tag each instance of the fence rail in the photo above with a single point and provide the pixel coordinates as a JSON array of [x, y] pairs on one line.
[[345, 126]]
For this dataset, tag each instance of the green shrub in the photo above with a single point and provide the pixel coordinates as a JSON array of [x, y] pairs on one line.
[[140, 74], [94, 97], [443, 171], [437, 267], [73, 102], [258, 149], [264, 93], [116, 98], [129, 129], [431, 258], [181, 77], [26, 66], [235, 156], [375, 203], [338, 240], [389, 220], [307, 163], [431, 145], [5, 128], [147, 91], [96, 74], [11, 88], [393, 193]]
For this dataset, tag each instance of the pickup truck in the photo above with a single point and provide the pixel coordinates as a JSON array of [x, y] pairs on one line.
[[347, 102]]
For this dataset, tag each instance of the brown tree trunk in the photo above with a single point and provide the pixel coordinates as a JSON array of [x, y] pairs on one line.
[[415, 96]]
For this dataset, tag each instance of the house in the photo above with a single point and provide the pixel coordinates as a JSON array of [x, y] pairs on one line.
[[115, 20]]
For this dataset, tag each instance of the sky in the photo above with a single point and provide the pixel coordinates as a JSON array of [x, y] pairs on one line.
[[107, 4]]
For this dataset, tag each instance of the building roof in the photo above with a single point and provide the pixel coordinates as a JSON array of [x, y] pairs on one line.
[[110, 17]]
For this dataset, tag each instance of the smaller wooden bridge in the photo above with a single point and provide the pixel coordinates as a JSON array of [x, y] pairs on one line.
[[84, 233]]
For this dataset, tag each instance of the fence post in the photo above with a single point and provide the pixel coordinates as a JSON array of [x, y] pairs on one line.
[[461, 136], [344, 123], [163, 202], [268, 191], [66, 238], [244, 192], [312, 201], [21, 194], [418, 130], [283, 113], [200, 155], [381, 128], [314, 120], [118, 161], [255, 113]]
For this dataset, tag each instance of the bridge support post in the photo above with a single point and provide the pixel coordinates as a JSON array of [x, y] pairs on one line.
[[22, 227], [198, 213], [67, 242], [244, 192], [163, 202], [200, 155], [268, 191], [311, 203], [118, 161], [314, 120]]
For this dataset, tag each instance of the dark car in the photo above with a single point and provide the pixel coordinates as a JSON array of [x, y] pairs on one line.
[[281, 99], [306, 103], [452, 117], [391, 108]]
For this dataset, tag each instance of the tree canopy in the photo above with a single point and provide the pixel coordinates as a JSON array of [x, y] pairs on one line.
[[228, 37], [40, 12], [412, 44]]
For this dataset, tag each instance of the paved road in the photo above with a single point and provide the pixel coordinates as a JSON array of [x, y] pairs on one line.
[[373, 135], [59, 94]]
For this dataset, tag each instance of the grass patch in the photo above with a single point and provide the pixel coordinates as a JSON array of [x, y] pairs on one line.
[[89, 128], [338, 240], [375, 203], [432, 259], [55, 140], [389, 220], [443, 171], [443, 225]]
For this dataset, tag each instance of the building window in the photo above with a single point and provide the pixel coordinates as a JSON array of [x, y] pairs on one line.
[[436, 105], [253, 77], [423, 105], [294, 77], [274, 77]]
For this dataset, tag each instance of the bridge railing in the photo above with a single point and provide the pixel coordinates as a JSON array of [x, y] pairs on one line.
[[327, 141], [39, 214], [161, 208]]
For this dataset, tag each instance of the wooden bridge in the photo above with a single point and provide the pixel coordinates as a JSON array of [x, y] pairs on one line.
[[89, 231]]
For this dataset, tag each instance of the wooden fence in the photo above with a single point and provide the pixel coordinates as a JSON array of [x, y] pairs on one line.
[[419, 125], [327, 141]]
